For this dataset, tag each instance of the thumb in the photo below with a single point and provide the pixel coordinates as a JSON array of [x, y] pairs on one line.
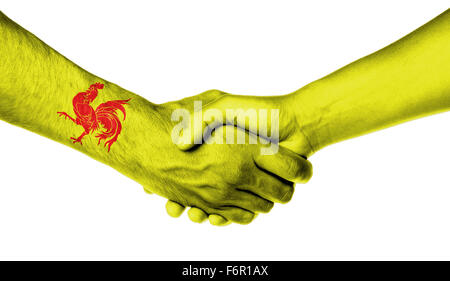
[[286, 164], [235, 110]]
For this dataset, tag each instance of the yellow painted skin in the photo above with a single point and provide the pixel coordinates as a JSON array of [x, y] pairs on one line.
[[227, 183], [406, 80]]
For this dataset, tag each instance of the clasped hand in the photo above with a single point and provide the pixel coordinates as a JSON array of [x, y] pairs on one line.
[[220, 181]]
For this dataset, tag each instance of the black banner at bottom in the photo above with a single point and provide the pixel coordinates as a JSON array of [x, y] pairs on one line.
[[224, 270]]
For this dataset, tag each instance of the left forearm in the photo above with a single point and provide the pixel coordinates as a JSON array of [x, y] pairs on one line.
[[36, 82]]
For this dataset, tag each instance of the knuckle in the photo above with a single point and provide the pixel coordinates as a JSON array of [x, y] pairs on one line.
[[214, 93], [219, 196], [234, 178], [239, 175], [223, 195], [209, 197], [267, 206], [293, 167]]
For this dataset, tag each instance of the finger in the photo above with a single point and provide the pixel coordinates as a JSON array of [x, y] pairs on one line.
[[218, 220], [250, 201], [197, 215], [286, 164], [231, 110], [270, 186], [174, 209], [237, 215]]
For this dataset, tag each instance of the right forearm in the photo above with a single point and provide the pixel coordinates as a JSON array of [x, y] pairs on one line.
[[403, 81]]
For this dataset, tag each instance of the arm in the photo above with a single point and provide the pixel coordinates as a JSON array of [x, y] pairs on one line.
[[406, 80], [36, 83]]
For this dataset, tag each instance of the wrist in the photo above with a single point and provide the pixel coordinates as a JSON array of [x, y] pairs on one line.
[[307, 107], [139, 126]]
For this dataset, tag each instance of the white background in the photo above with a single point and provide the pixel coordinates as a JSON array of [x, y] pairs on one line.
[[381, 196]]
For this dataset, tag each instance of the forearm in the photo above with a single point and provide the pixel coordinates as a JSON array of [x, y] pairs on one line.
[[36, 82], [406, 80]]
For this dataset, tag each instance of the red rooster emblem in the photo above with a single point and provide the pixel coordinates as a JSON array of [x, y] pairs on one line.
[[104, 118]]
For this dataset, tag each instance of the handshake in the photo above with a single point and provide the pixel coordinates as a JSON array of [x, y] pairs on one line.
[[230, 157], [228, 160], [227, 157]]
